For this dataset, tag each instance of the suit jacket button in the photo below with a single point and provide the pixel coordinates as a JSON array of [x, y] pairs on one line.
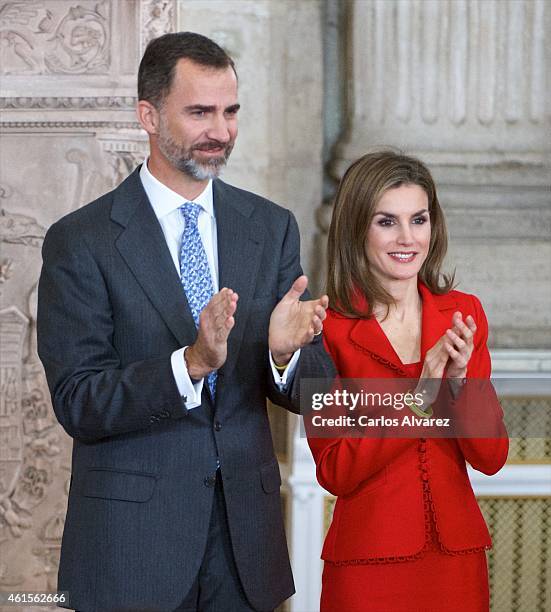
[[217, 426], [209, 481]]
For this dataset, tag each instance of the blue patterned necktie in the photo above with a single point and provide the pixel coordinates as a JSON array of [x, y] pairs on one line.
[[195, 272]]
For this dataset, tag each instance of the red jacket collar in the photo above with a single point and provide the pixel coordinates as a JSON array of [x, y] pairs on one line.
[[437, 312]]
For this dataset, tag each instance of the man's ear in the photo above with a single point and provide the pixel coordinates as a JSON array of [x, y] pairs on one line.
[[148, 116]]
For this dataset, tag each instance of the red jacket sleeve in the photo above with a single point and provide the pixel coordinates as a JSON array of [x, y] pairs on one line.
[[346, 464], [489, 454]]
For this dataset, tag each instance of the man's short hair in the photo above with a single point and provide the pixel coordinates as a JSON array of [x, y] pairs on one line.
[[158, 64]]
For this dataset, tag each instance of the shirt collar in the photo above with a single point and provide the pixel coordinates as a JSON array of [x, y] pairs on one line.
[[165, 201]]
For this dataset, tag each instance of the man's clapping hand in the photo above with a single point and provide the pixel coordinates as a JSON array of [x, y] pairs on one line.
[[293, 323], [216, 320]]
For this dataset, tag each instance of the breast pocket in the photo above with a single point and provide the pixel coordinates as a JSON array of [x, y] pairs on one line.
[[120, 485]]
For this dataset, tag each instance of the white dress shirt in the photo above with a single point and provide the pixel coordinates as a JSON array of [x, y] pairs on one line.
[[166, 206]]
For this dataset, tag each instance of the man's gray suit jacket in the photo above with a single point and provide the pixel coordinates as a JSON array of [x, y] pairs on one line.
[[111, 311]]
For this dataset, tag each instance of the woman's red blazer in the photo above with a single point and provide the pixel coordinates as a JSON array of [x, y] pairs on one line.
[[380, 511]]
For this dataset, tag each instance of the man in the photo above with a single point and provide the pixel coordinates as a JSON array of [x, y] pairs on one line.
[[160, 377]]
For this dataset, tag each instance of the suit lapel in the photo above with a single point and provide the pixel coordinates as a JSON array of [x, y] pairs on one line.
[[143, 247], [437, 318], [368, 335], [240, 244]]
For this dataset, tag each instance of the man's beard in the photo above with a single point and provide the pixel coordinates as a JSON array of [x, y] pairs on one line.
[[182, 158]]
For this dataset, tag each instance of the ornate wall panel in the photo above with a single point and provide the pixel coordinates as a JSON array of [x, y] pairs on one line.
[[55, 38], [518, 564], [533, 414], [67, 77]]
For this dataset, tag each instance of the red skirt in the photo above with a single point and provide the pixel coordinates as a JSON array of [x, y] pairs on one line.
[[436, 582]]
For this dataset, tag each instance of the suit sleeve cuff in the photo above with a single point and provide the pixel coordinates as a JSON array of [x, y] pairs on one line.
[[186, 388], [282, 379]]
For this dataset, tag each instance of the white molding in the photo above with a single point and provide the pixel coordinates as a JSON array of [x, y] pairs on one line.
[[306, 533], [520, 363], [513, 480]]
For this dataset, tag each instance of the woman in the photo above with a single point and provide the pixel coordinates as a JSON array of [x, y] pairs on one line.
[[407, 534]]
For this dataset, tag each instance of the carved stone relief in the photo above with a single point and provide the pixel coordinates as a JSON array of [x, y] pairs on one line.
[[75, 174], [54, 37], [125, 151], [89, 182], [158, 17], [32, 447], [69, 135], [69, 103], [34, 450]]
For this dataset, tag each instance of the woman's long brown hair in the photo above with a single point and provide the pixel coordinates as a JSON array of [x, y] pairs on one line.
[[363, 184]]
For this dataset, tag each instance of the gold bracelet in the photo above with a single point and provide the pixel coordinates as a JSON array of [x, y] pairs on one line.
[[417, 410]]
